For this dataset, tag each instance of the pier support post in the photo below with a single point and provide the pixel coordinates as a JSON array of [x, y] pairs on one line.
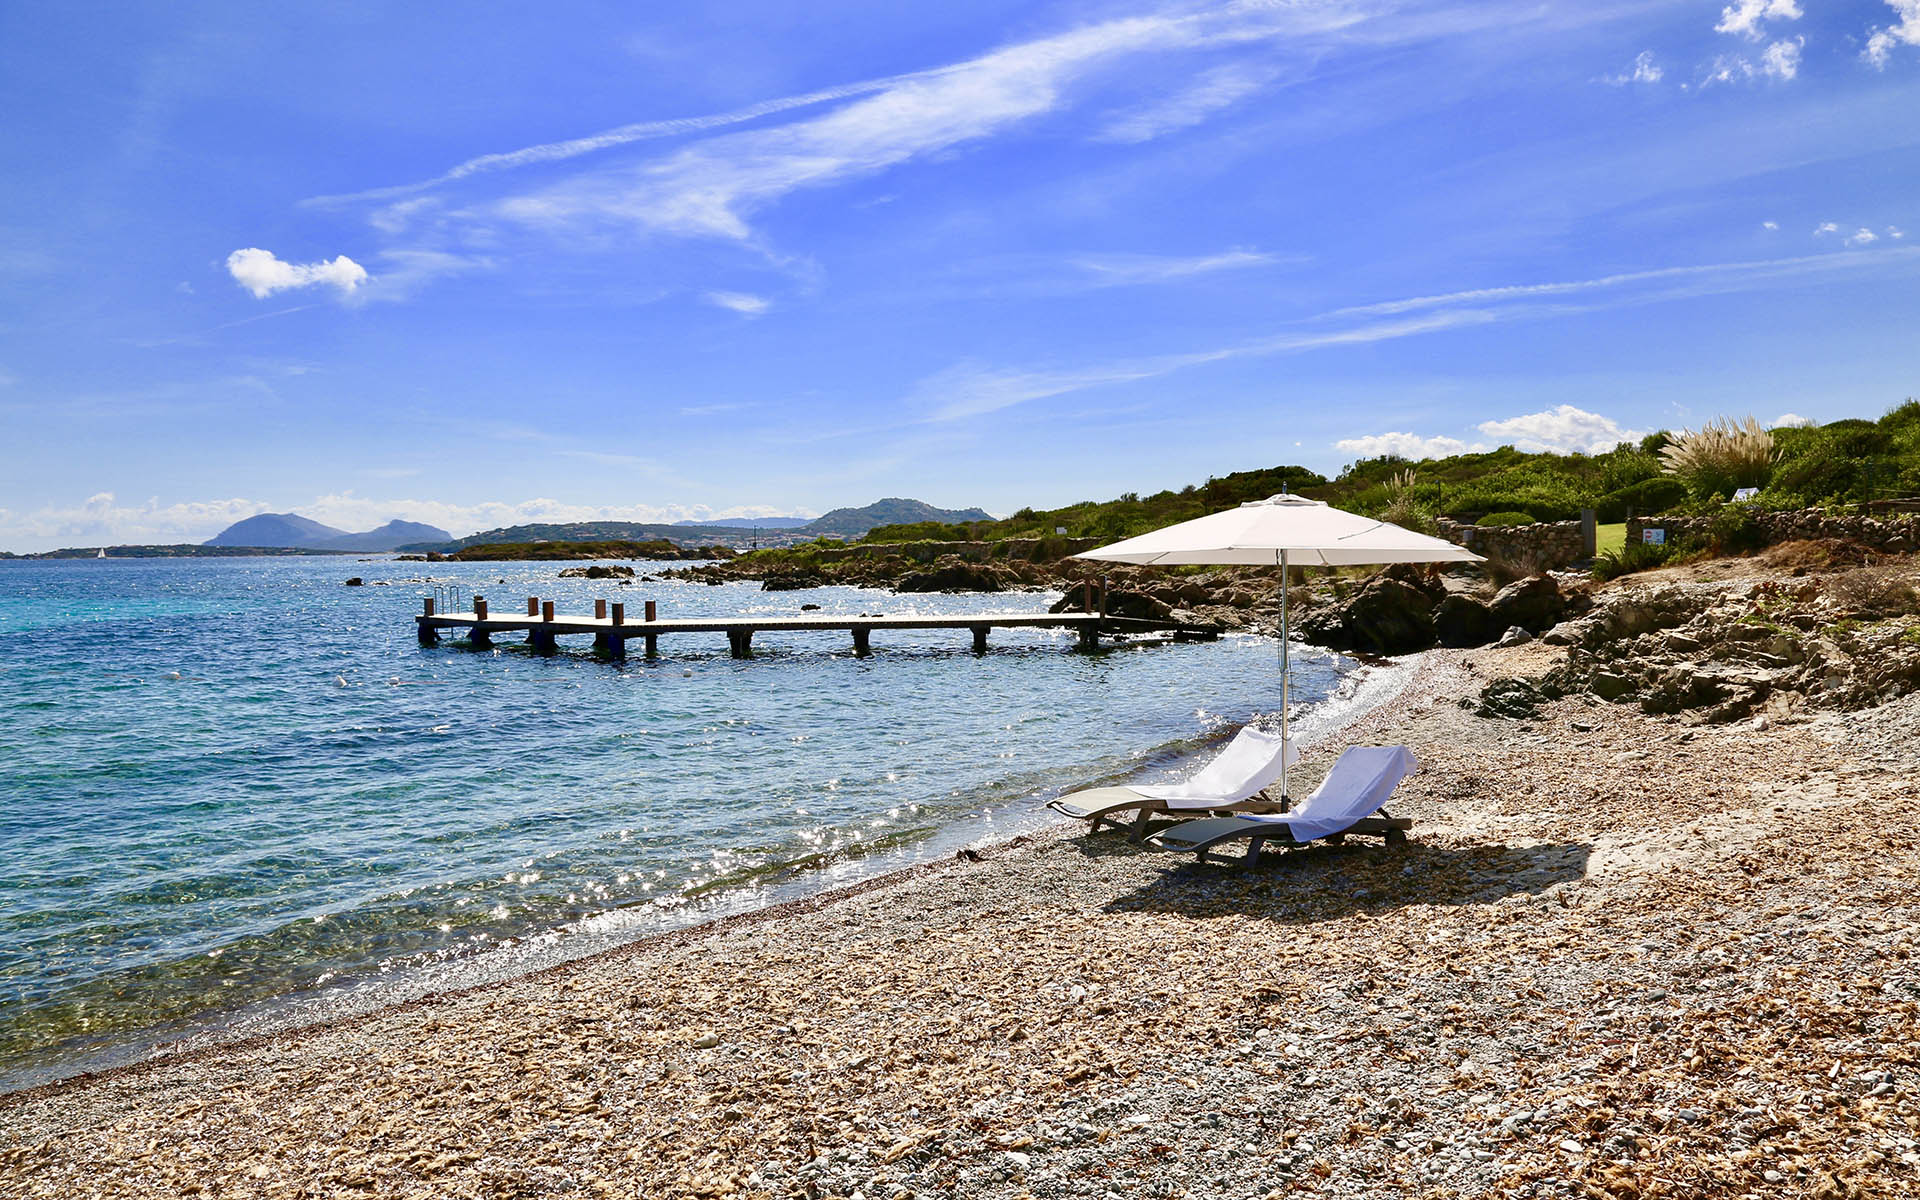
[[740, 642], [979, 639], [1089, 636], [533, 606], [861, 641], [546, 611], [653, 640], [429, 636], [541, 640], [599, 610], [480, 607]]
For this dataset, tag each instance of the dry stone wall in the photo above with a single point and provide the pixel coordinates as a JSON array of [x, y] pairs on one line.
[[1895, 535], [1542, 546]]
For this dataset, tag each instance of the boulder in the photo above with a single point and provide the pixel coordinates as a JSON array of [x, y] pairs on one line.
[[1535, 604], [1513, 699], [1120, 603], [1462, 621], [1515, 636], [597, 572], [356, 581], [1387, 616]]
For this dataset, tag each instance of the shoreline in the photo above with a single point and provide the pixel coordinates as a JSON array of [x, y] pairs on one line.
[[1506, 1005], [295, 1014]]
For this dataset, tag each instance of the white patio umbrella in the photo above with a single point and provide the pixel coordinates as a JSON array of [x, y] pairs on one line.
[[1282, 531]]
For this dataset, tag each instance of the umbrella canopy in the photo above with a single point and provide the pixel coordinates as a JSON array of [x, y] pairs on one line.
[[1281, 531], [1310, 533]]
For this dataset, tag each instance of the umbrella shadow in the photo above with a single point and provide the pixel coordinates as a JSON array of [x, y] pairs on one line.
[[1322, 882]]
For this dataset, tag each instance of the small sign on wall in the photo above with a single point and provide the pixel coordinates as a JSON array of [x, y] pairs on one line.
[[1654, 537]]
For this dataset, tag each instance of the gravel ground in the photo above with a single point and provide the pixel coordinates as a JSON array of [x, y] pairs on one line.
[[1621, 958]]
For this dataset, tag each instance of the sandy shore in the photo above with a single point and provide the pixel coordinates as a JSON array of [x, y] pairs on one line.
[[1621, 958]]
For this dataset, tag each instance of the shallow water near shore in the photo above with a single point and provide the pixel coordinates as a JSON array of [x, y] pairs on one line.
[[237, 794]]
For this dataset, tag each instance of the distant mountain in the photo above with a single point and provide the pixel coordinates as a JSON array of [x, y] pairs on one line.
[[748, 523], [852, 522], [391, 536], [276, 529], [289, 531]]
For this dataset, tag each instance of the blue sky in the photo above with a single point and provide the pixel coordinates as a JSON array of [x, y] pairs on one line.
[[506, 262]]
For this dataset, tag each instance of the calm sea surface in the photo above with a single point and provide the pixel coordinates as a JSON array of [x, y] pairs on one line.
[[235, 793]]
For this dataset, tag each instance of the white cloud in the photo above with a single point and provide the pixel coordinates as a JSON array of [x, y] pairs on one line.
[[1862, 237], [1214, 90], [1905, 32], [1644, 70], [1895, 232], [1770, 226], [1746, 18], [1824, 228], [263, 274], [1782, 59], [1788, 420], [745, 304], [1564, 430], [1404, 445]]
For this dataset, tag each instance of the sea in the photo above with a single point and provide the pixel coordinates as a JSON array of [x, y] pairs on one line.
[[238, 795]]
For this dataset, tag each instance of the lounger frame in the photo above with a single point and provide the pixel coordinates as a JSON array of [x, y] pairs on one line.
[[1148, 809], [1383, 825]]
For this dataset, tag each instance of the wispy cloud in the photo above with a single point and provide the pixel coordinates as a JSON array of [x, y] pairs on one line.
[[974, 389], [1643, 70], [1216, 89], [744, 303], [1120, 270]]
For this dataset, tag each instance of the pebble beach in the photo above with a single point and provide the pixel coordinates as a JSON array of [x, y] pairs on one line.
[[1621, 956]]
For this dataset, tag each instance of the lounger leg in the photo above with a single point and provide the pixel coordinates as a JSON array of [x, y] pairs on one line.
[[1253, 851], [1137, 833]]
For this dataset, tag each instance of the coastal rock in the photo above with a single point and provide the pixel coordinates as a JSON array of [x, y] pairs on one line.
[[597, 571], [1120, 603], [356, 581], [794, 581], [1387, 616], [951, 574], [1536, 604], [1515, 636], [1461, 620]]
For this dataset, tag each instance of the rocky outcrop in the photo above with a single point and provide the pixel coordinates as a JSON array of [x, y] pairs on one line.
[[951, 574], [1120, 603], [597, 571], [1387, 616], [1535, 605], [1461, 620], [1713, 653]]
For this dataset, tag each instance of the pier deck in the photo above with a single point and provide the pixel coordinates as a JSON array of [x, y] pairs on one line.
[[612, 632]]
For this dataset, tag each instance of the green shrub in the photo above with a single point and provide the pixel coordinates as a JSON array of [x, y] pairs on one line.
[[1735, 531], [1647, 497], [1632, 557], [1505, 518]]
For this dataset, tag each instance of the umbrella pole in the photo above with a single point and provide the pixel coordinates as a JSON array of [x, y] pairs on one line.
[[1286, 678]]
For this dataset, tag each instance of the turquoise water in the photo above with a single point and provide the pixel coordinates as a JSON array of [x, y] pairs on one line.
[[233, 787]]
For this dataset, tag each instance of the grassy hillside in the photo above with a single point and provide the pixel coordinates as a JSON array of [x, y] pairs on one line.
[[1842, 463]]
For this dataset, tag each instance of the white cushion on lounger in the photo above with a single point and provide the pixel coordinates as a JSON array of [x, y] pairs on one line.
[[1250, 763], [1358, 785]]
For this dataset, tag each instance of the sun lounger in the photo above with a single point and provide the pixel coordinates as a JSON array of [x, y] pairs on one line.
[[1349, 800], [1232, 782]]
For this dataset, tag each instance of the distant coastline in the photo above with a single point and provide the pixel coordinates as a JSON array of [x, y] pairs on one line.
[[183, 550]]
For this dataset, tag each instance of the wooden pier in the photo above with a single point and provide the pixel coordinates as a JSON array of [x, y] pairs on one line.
[[611, 631]]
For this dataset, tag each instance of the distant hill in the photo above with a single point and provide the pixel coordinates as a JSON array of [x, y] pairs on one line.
[[853, 522], [583, 531], [748, 523], [391, 536], [290, 531], [276, 529]]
